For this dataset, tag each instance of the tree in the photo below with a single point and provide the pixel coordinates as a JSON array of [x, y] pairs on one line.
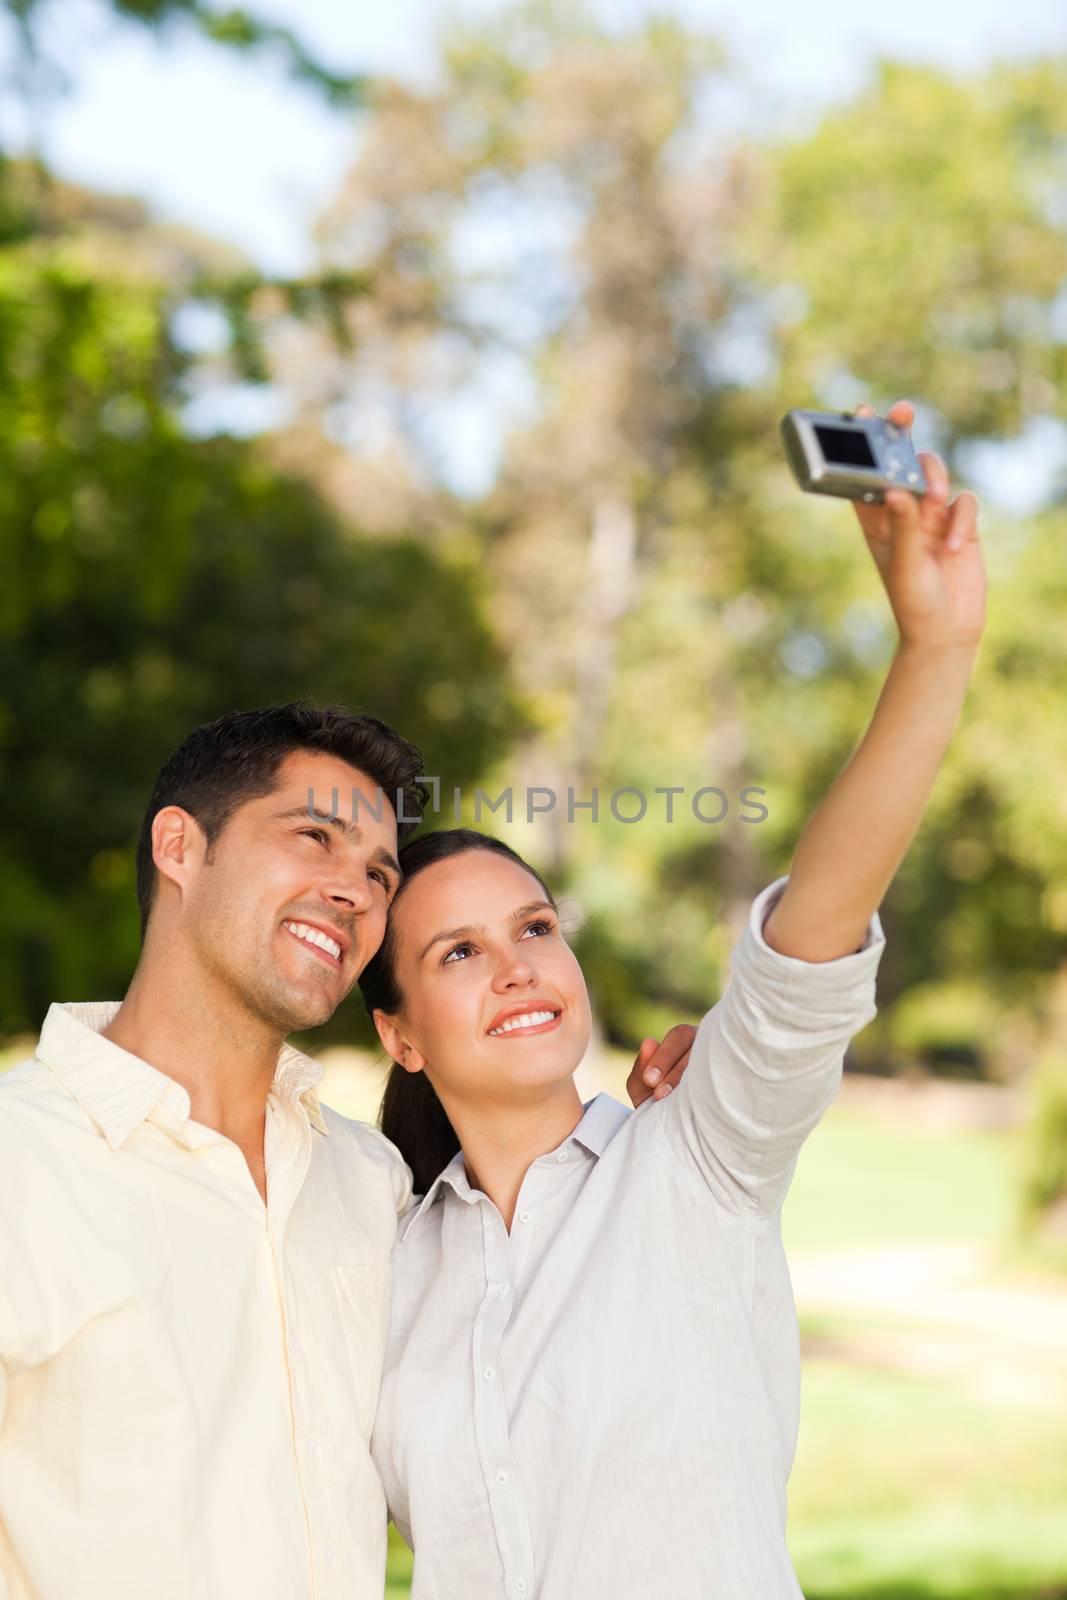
[[561, 208], [149, 581], [233, 29]]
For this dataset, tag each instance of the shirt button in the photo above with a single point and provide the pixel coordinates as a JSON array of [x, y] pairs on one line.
[[501, 1288], [562, 1156], [313, 1445], [524, 1216], [501, 1477], [329, 1555], [490, 1372], [520, 1585]]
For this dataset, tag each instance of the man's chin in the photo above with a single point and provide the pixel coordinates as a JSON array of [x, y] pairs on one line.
[[293, 1010], [310, 1011]]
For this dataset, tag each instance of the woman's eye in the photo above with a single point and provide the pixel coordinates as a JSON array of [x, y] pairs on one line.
[[542, 924], [455, 951]]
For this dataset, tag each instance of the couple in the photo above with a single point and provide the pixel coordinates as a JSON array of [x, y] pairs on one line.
[[229, 1338]]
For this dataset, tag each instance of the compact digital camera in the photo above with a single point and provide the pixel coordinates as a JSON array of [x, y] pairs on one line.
[[855, 458]]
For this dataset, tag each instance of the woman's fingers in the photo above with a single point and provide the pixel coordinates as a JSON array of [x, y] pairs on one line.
[[902, 412], [936, 474], [963, 520]]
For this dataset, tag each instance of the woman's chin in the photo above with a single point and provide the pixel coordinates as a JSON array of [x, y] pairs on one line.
[[551, 1068]]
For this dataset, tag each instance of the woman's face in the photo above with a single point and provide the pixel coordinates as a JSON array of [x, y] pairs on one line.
[[495, 1005]]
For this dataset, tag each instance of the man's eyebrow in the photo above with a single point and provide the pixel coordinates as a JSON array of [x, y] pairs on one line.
[[459, 933], [351, 830]]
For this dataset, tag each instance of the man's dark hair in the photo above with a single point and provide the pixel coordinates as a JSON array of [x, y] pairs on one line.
[[225, 763]]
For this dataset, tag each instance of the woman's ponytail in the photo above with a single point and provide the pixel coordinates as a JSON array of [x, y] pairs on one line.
[[415, 1120]]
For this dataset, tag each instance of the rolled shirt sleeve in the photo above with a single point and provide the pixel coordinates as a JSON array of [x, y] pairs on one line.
[[766, 1062]]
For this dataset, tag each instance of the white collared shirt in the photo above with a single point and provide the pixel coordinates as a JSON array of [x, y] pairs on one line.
[[187, 1377], [603, 1404]]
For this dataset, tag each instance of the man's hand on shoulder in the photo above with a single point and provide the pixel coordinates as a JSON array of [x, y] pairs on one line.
[[659, 1065]]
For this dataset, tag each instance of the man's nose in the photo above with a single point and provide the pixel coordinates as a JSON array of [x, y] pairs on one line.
[[352, 890]]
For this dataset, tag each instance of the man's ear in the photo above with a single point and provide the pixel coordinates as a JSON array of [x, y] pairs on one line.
[[178, 844], [396, 1043]]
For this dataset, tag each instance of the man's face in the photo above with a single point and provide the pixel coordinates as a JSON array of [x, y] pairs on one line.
[[289, 908]]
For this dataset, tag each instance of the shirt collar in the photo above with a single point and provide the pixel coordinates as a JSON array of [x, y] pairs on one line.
[[601, 1121], [120, 1091]]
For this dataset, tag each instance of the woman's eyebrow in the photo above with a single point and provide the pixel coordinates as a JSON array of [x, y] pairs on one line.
[[459, 933]]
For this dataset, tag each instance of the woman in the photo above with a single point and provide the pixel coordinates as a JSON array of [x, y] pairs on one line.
[[592, 1384]]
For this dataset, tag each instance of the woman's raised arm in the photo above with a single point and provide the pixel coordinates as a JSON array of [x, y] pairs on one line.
[[930, 561], [767, 1059]]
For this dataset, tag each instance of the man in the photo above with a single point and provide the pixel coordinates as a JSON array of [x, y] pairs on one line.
[[194, 1253]]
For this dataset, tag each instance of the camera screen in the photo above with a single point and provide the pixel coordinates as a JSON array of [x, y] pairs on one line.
[[845, 447]]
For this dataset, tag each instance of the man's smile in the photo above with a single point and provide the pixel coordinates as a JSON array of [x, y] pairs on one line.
[[317, 941]]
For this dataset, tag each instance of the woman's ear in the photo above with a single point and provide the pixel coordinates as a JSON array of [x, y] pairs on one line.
[[396, 1043]]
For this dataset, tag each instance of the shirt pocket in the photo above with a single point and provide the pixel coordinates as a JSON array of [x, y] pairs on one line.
[[363, 1298]]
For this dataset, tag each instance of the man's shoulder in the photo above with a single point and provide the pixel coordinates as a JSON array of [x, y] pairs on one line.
[[42, 1133], [29, 1093], [363, 1136], [361, 1141]]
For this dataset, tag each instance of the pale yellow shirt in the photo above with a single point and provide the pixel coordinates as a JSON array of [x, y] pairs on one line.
[[188, 1378]]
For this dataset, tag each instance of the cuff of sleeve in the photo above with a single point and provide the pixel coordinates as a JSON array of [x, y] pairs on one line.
[[843, 978]]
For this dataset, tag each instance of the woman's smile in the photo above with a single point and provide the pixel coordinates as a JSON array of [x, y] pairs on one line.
[[524, 1019]]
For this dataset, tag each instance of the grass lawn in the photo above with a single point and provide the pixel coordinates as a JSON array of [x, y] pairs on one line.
[[910, 1486], [860, 1180]]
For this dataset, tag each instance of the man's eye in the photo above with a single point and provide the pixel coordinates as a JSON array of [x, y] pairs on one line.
[[383, 878], [316, 833]]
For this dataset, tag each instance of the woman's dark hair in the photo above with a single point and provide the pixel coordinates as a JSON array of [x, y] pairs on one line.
[[223, 764], [411, 1115]]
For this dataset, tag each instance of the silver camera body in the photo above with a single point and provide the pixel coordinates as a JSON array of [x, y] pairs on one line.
[[855, 458]]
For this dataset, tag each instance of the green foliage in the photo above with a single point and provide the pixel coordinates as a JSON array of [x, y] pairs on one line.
[[921, 226], [675, 613], [645, 544], [148, 582], [1045, 1182], [948, 1024], [235, 29]]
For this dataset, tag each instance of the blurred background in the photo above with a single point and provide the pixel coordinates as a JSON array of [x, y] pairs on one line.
[[430, 360]]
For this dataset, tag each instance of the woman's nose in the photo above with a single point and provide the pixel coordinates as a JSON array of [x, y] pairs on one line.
[[512, 972]]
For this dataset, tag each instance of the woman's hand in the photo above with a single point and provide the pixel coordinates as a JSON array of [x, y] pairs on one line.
[[928, 554]]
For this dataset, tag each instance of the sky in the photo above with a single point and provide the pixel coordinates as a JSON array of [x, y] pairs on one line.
[[228, 145]]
